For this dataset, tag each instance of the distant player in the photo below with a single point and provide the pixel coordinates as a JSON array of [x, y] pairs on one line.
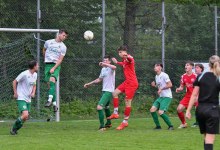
[[199, 68], [54, 51], [163, 84], [107, 75], [128, 87], [187, 80], [24, 87]]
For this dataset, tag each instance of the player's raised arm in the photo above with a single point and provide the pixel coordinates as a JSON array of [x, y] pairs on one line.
[[93, 82], [113, 67]]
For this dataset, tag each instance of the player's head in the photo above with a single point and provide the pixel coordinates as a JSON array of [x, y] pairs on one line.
[[214, 64], [107, 59], [199, 68], [62, 35], [33, 65], [189, 66], [158, 67], [122, 50]]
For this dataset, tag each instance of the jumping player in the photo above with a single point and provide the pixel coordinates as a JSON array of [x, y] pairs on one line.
[[128, 87], [54, 51], [24, 87], [163, 84], [199, 68], [187, 80], [107, 75]]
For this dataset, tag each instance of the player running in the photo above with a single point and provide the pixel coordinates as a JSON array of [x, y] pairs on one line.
[[199, 68], [128, 87], [107, 75], [54, 51], [24, 87], [163, 84], [187, 80]]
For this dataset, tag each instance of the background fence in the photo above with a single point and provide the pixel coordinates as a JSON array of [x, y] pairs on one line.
[[189, 35]]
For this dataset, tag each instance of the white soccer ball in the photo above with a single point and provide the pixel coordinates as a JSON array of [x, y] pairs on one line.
[[88, 35]]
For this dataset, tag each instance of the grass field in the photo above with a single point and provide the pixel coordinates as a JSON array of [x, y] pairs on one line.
[[84, 134]]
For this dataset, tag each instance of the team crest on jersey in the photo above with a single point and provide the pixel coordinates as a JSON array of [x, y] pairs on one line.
[[24, 107], [192, 80]]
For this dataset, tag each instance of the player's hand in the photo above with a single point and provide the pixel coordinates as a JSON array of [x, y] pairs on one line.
[[196, 101], [159, 91], [101, 64], [188, 115], [177, 90], [15, 95], [33, 95], [114, 60], [86, 85], [153, 84], [51, 70]]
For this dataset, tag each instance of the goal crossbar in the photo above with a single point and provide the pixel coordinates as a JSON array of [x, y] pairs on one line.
[[29, 30]]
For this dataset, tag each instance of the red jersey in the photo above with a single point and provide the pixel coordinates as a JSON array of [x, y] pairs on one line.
[[188, 82], [128, 68]]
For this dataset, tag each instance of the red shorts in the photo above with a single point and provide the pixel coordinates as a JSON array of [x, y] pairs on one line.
[[185, 102], [128, 88]]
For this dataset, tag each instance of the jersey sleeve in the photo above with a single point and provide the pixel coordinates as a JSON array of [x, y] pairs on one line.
[[20, 77], [120, 63], [130, 58], [196, 82], [166, 78], [182, 81], [63, 50], [46, 44]]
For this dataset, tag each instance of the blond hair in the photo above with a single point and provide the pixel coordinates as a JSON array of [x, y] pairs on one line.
[[214, 64]]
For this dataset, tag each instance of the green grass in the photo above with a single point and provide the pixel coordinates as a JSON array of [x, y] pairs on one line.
[[84, 134]]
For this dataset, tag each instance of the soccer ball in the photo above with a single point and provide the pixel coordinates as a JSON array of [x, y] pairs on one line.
[[88, 35]]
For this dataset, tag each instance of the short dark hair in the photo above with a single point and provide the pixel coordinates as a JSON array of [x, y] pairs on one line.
[[200, 66], [107, 56], [32, 64], [159, 64], [62, 30], [190, 62], [122, 48]]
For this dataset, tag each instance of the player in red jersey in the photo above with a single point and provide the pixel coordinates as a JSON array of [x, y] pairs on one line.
[[187, 80], [128, 87]]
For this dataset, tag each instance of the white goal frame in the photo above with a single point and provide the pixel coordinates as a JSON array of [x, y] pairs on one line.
[[38, 31]]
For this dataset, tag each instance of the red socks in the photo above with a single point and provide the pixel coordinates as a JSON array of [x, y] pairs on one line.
[[182, 118], [127, 113], [115, 102]]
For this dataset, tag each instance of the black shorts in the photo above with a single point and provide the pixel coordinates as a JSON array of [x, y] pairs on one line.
[[208, 118]]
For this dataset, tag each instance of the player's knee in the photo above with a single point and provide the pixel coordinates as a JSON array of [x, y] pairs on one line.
[[106, 107], [25, 115], [160, 112], [99, 107], [114, 94], [152, 109], [178, 110], [53, 79]]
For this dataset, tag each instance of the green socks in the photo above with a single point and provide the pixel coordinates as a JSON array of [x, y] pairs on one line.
[[166, 119], [196, 118], [18, 124], [155, 117], [101, 118], [108, 114], [52, 91]]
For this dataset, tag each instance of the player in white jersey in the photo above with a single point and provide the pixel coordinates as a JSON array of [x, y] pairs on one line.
[[24, 87], [163, 84], [54, 51], [107, 75]]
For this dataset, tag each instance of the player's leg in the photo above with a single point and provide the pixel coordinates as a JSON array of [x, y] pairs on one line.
[[24, 108], [182, 105], [164, 105], [153, 110], [196, 124], [108, 111], [209, 140]]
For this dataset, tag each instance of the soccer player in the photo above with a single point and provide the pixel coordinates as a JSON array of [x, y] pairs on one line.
[[54, 51], [163, 84], [128, 87], [187, 80], [24, 87], [107, 75], [207, 87], [199, 68]]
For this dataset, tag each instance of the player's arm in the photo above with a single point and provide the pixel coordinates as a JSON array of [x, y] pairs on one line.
[[44, 51], [14, 84], [154, 85], [93, 82], [168, 85], [116, 62], [194, 95], [33, 91], [113, 67], [57, 64], [180, 88]]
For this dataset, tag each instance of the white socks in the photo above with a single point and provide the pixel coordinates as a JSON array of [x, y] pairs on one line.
[[50, 98]]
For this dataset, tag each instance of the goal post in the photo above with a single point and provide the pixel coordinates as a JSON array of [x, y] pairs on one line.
[[56, 31]]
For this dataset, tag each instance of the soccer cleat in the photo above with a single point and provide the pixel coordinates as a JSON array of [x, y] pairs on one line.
[[12, 131], [55, 108], [122, 126], [182, 126], [102, 129], [113, 116], [195, 125], [48, 104], [108, 125], [171, 128], [157, 128]]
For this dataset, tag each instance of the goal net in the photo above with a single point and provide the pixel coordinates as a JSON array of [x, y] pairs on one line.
[[16, 50]]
